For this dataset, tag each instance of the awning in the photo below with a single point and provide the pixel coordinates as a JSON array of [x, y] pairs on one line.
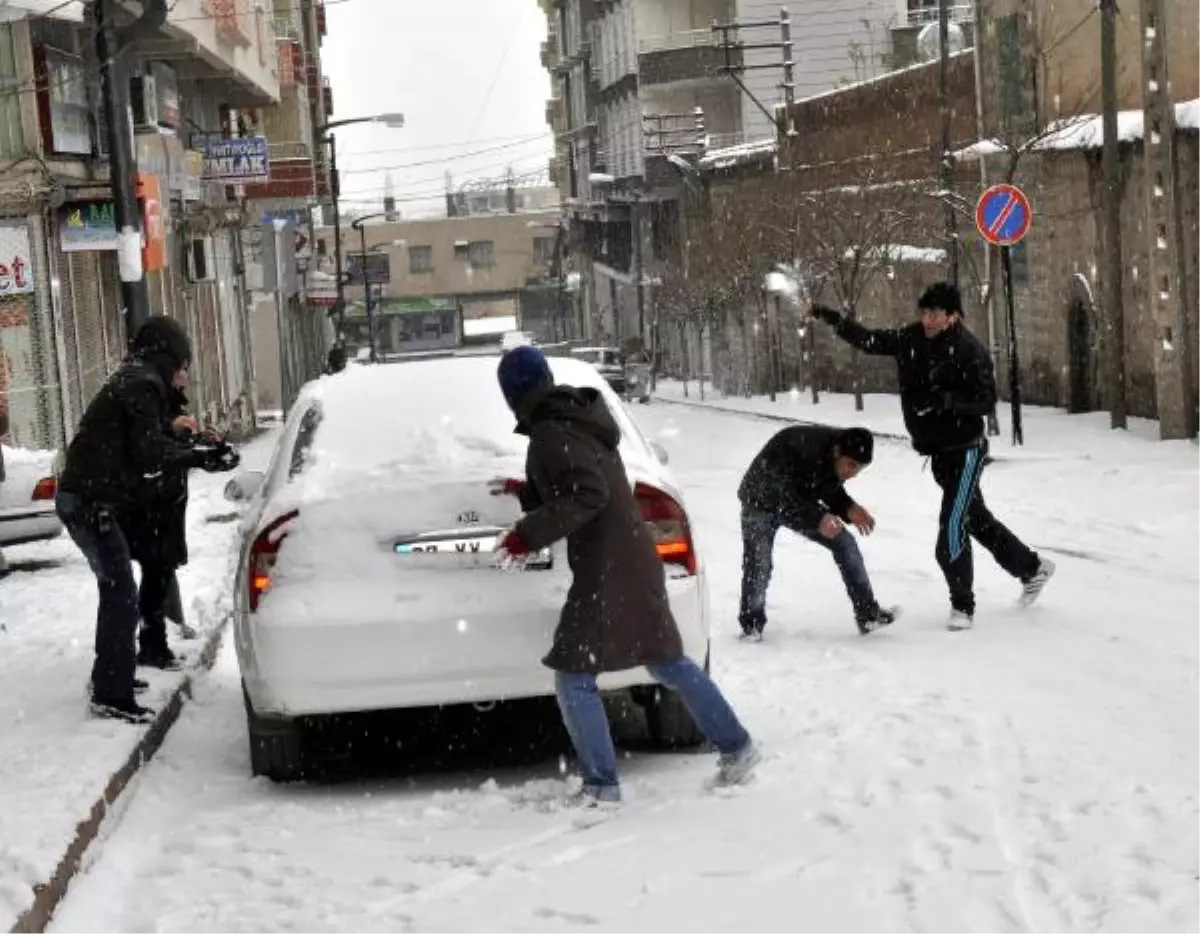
[[71, 10]]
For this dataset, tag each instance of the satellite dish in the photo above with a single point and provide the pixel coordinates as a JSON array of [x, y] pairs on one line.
[[929, 45]]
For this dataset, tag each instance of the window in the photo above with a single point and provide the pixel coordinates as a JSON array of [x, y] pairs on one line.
[[481, 254], [12, 141], [66, 87], [545, 249], [420, 259]]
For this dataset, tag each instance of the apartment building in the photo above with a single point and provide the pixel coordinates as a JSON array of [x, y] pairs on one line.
[[61, 331], [442, 282]]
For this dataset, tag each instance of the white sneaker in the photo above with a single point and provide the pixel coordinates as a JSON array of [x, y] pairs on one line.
[[1032, 588], [959, 621], [736, 768]]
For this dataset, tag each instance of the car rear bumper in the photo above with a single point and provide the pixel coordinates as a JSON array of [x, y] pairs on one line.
[[19, 528], [324, 668]]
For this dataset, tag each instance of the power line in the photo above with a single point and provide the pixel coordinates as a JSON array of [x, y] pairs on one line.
[[439, 161]]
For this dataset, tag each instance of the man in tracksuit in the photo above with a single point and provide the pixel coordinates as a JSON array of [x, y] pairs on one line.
[[947, 388], [796, 482]]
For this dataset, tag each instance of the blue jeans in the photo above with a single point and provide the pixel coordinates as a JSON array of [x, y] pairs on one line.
[[586, 722], [758, 545], [94, 528]]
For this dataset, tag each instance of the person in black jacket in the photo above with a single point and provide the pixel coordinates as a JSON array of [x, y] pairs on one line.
[[796, 482], [947, 388], [114, 471], [617, 615]]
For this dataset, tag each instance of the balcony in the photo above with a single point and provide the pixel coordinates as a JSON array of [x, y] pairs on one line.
[[220, 40], [322, 20], [327, 97], [928, 13], [685, 39], [684, 63]]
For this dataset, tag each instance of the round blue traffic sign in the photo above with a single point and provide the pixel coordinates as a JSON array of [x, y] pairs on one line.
[[1003, 215]]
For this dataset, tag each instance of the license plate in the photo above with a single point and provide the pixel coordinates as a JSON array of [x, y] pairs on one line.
[[481, 547]]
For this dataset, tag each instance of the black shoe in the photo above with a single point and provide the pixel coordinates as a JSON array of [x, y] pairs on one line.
[[161, 658], [753, 625], [869, 622], [139, 685], [129, 711]]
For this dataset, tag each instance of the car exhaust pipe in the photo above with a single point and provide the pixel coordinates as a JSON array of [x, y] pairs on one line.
[[485, 706]]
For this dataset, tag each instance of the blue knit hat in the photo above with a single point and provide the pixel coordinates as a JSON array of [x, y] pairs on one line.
[[522, 370]]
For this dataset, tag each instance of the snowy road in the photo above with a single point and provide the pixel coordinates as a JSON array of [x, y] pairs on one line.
[[1037, 773]]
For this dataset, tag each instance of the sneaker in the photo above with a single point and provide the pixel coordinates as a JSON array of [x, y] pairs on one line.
[[128, 711], [161, 658], [960, 620], [869, 622], [737, 768], [1032, 587], [597, 797]]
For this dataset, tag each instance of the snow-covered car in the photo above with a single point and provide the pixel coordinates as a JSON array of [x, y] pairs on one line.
[[368, 578], [27, 497]]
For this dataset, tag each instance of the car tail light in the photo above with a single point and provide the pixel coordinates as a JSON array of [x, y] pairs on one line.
[[669, 526], [263, 553], [46, 489]]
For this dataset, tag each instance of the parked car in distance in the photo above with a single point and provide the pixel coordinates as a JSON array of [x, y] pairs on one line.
[[27, 497], [368, 578], [629, 378]]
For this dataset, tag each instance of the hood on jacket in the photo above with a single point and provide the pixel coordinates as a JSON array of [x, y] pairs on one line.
[[584, 408], [164, 345]]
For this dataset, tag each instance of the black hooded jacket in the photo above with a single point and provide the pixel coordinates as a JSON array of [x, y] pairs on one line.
[[793, 477], [124, 448], [617, 615], [947, 384]]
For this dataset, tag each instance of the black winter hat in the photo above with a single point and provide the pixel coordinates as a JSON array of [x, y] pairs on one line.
[[522, 370], [856, 444], [941, 296], [165, 336]]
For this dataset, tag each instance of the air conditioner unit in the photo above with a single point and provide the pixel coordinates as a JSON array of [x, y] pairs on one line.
[[143, 96], [200, 264]]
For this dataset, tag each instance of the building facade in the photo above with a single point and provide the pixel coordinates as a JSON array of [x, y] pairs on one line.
[[61, 323], [438, 283]]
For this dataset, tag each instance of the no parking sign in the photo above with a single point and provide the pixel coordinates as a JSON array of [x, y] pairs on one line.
[[1003, 215]]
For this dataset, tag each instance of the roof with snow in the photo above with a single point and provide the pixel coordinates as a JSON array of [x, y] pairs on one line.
[[55, 9], [742, 154], [1085, 132]]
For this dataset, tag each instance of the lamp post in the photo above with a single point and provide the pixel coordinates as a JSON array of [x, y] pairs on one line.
[[323, 135], [357, 224]]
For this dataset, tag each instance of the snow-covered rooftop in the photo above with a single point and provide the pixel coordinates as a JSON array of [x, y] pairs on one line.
[[1086, 132], [901, 253], [741, 154]]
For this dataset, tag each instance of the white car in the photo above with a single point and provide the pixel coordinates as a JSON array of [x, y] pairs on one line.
[[368, 579], [27, 497]]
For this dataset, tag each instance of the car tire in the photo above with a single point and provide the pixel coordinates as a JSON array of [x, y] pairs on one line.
[[645, 400], [669, 724], [276, 745]]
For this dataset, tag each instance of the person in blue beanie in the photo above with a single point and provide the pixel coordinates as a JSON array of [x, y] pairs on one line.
[[617, 615]]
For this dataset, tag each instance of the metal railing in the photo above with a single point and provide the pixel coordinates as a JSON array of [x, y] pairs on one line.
[[685, 39], [959, 13]]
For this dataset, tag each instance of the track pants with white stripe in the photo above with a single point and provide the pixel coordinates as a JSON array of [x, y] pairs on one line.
[[965, 516]]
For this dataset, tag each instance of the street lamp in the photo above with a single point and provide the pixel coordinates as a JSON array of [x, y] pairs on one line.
[[357, 224], [323, 134]]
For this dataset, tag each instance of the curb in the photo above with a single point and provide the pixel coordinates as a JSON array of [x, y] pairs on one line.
[[48, 895], [766, 416]]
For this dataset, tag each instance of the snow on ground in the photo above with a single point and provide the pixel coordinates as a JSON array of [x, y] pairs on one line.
[[56, 758], [1039, 772]]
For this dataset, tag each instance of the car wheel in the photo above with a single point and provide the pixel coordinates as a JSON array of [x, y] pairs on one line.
[[276, 745], [645, 400], [669, 724]]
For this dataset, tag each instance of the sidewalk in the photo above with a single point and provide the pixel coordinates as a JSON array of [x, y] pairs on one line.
[[1049, 433], [56, 761]]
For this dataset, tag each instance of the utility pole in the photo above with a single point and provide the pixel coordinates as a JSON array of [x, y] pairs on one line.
[[335, 191], [1113, 280], [947, 161], [1175, 381], [111, 45]]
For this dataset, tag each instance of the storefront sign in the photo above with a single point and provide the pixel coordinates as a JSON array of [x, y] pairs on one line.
[[16, 269], [239, 161], [85, 226]]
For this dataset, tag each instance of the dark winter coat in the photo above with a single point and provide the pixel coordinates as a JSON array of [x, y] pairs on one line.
[[157, 530], [793, 477], [947, 384], [616, 615], [123, 452]]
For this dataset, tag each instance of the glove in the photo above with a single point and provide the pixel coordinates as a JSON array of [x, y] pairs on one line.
[[221, 459], [505, 486], [513, 550]]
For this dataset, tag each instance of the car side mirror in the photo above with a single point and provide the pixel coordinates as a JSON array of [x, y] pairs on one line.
[[244, 486], [661, 453]]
